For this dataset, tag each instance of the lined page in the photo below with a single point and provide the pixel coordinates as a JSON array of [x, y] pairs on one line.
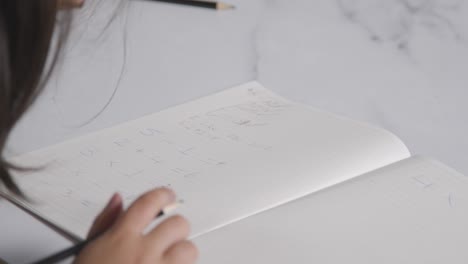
[[227, 155], [414, 212]]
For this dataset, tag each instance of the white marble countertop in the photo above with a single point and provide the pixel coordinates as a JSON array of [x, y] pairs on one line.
[[398, 64]]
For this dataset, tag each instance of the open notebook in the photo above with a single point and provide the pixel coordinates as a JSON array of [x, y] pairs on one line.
[[411, 212], [229, 156]]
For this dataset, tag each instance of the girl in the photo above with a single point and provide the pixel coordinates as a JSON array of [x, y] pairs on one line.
[[26, 30]]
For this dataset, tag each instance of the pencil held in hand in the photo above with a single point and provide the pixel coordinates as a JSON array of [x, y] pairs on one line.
[[119, 237]]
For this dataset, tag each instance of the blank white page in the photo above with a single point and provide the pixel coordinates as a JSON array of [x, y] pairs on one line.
[[227, 155], [414, 212]]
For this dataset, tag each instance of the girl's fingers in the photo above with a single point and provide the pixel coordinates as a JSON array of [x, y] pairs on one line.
[[145, 209], [108, 216], [170, 231], [183, 252]]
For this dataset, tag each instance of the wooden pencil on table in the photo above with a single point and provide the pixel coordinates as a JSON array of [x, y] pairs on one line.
[[199, 3]]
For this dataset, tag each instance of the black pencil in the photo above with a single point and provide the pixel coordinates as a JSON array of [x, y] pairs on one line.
[[76, 249], [205, 4]]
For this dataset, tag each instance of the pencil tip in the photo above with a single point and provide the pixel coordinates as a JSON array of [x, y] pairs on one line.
[[223, 6]]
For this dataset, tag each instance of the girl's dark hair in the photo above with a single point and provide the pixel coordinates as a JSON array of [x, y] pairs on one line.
[[29, 31]]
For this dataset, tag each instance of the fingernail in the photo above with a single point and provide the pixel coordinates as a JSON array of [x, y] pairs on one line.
[[114, 201], [173, 196]]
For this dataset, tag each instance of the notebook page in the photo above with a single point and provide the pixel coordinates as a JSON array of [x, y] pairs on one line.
[[227, 156], [414, 212]]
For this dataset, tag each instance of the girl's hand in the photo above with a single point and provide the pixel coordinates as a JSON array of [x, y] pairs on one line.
[[124, 242]]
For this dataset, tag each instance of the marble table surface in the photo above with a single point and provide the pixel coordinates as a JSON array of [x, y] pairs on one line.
[[398, 64]]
